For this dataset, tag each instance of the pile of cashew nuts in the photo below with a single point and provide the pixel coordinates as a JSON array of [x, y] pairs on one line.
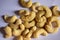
[[39, 20]]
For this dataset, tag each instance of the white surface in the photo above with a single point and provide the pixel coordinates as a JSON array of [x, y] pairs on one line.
[[9, 6]]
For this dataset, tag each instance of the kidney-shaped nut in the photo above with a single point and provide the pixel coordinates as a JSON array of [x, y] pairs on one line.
[[8, 32], [52, 25], [34, 6], [29, 17], [27, 4], [29, 35], [13, 26], [22, 27], [23, 12], [16, 32], [48, 12], [25, 32], [10, 19], [18, 22], [26, 38], [29, 24], [55, 11], [39, 32], [19, 37]]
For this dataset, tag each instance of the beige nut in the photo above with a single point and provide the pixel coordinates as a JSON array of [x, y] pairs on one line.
[[25, 32], [39, 32], [29, 17], [26, 38], [13, 26], [29, 35], [23, 12], [10, 19], [22, 27], [18, 22], [48, 12], [27, 4], [52, 25], [29, 24], [55, 11], [8, 32], [19, 37], [34, 6], [16, 32]]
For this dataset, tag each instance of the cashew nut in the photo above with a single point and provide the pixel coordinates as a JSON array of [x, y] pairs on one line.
[[41, 21], [29, 17], [31, 32], [13, 26], [10, 19], [25, 32], [16, 32], [8, 32], [55, 11], [52, 25], [34, 6], [48, 12], [23, 12], [29, 24], [26, 38], [27, 4], [39, 32], [18, 21], [19, 38], [22, 27]]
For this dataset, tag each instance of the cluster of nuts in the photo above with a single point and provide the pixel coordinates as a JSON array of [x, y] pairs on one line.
[[40, 20]]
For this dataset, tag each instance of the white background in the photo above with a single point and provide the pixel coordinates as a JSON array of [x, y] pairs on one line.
[[9, 6]]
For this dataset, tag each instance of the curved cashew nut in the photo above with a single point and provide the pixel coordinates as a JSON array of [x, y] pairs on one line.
[[16, 32], [19, 38], [53, 25], [23, 12], [25, 32], [34, 6], [10, 19], [55, 11], [29, 17], [41, 21], [22, 27], [18, 21], [13, 26], [31, 32], [29, 24], [39, 32], [26, 38], [48, 11], [26, 4], [8, 32]]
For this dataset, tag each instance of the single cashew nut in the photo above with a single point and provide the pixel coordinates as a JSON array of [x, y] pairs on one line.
[[8, 32], [55, 11], [23, 12], [39, 32], [26, 38], [13, 26], [48, 12], [19, 38], [52, 25], [16, 32], [18, 22], [29, 17], [29, 24], [34, 6], [27, 4], [10, 19], [25, 32], [22, 27], [41, 21], [31, 32]]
